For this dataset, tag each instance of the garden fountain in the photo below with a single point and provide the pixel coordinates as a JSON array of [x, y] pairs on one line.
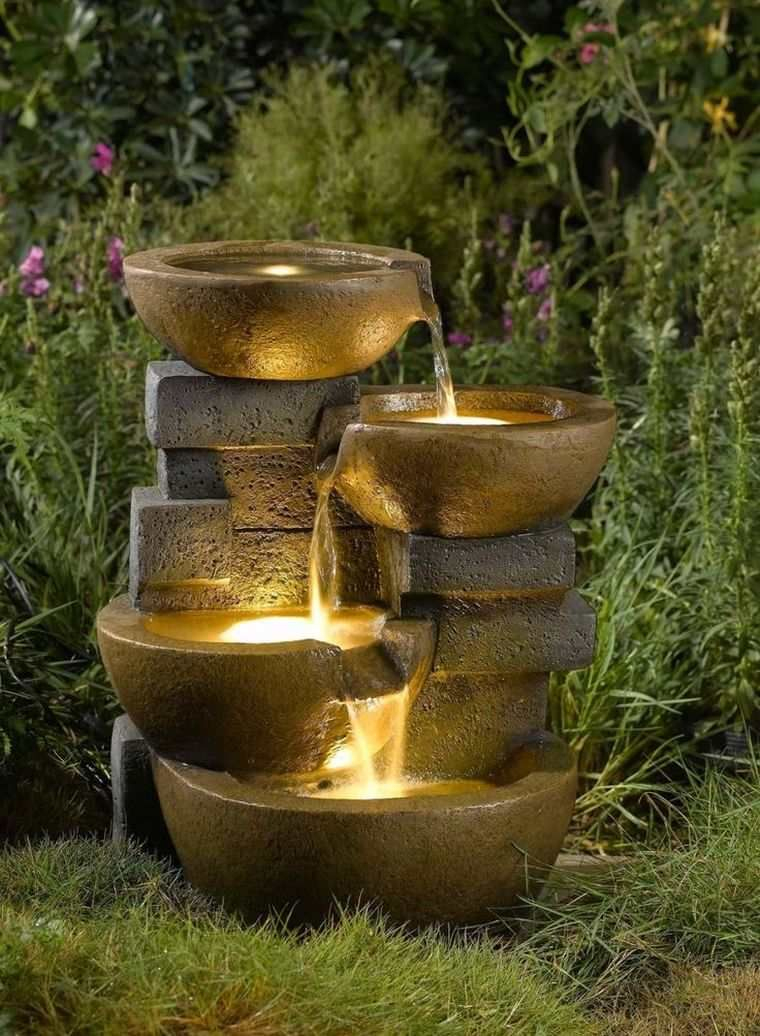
[[345, 602]]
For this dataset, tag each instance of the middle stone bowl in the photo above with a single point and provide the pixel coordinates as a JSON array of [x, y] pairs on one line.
[[402, 472], [277, 707]]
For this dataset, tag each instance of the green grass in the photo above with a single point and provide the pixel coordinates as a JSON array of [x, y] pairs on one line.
[[101, 940]]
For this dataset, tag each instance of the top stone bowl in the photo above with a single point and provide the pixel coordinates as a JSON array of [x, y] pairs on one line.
[[280, 310]]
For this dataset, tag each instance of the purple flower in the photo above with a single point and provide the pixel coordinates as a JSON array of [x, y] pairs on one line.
[[545, 309], [102, 158], [33, 263], [506, 223], [506, 322], [537, 279], [36, 286], [459, 338], [115, 253], [589, 51], [78, 285]]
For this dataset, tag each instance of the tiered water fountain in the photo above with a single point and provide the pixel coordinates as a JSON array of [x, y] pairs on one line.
[[345, 602]]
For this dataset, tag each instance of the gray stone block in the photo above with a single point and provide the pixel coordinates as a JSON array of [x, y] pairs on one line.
[[335, 420], [272, 568], [187, 408], [411, 564], [136, 809], [539, 632], [178, 543], [185, 555], [462, 725], [269, 487]]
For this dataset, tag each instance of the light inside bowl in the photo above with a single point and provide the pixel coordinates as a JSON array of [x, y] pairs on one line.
[[280, 266], [505, 417], [346, 627], [402, 788]]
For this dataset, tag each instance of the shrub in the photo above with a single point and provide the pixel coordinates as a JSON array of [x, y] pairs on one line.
[[373, 163]]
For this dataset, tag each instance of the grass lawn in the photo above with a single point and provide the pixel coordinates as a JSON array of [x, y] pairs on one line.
[[102, 940]]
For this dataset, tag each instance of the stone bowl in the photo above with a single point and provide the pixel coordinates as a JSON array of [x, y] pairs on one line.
[[473, 480], [455, 859], [277, 707], [281, 310]]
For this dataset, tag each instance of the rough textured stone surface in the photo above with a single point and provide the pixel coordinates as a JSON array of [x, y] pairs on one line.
[[454, 859], [272, 568], [184, 554], [433, 564], [186, 408], [136, 809], [335, 420], [464, 725], [536, 633], [276, 708], [184, 544], [473, 480], [268, 487], [197, 301]]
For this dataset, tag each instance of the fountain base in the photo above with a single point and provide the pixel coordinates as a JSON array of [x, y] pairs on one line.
[[456, 859]]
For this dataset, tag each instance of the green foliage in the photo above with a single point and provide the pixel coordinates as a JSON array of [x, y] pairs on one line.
[[689, 899], [159, 83], [679, 79], [71, 447], [317, 159], [96, 939]]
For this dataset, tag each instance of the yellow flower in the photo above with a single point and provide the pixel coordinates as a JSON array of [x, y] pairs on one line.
[[715, 38], [719, 115]]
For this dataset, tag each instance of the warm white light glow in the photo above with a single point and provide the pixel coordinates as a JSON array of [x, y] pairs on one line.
[[458, 419], [282, 270], [274, 629], [401, 789]]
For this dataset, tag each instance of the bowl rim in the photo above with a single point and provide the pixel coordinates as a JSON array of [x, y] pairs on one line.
[[164, 262], [120, 621], [533, 784], [582, 411]]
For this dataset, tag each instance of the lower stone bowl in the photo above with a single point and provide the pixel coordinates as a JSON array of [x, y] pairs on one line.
[[277, 707], [400, 472], [456, 859]]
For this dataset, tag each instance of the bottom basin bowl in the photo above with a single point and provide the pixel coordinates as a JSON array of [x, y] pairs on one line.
[[454, 859]]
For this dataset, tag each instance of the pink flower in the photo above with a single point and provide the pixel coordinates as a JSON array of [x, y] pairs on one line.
[[102, 159], [35, 287], [115, 254], [33, 263], [506, 223], [460, 338], [545, 309], [506, 322], [537, 279], [78, 285], [589, 51]]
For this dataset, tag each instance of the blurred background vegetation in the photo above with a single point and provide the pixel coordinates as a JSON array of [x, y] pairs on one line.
[[586, 179]]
